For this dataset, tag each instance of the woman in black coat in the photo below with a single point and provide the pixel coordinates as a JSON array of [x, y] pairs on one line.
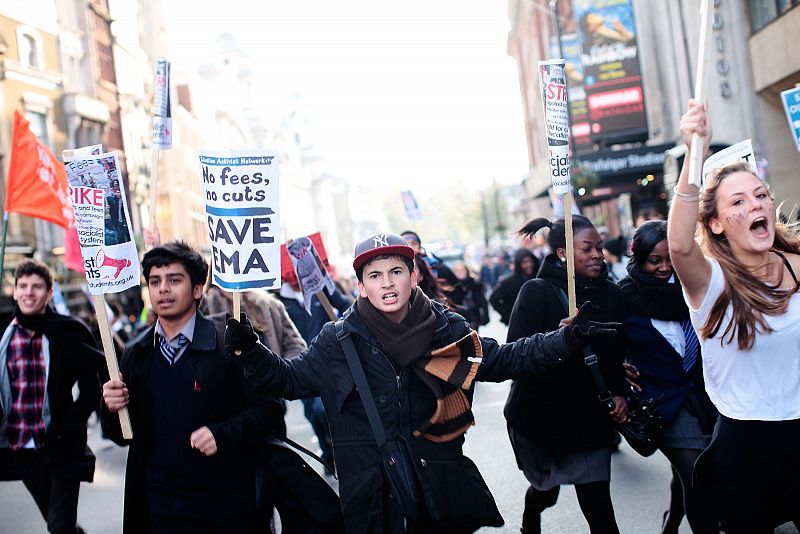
[[664, 349], [560, 432], [505, 294]]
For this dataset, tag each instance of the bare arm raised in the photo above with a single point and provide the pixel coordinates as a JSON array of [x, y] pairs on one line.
[[687, 257]]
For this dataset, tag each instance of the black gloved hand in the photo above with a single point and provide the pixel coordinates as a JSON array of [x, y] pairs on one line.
[[581, 330], [239, 336]]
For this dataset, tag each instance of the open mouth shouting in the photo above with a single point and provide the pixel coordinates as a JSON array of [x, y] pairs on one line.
[[760, 228], [390, 297]]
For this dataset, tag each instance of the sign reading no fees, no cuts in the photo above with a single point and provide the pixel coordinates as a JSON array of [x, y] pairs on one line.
[[240, 191]]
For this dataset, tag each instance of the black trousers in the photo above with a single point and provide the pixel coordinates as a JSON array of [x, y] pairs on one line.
[[56, 496]]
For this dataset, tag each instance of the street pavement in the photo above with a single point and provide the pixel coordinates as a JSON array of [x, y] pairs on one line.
[[639, 487]]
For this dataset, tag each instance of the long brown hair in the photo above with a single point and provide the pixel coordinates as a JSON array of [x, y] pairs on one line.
[[750, 298]]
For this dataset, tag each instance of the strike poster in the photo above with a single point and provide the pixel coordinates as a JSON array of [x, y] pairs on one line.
[[611, 74], [162, 112], [741, 151], [240, 191], [97, 193], [556, 117]]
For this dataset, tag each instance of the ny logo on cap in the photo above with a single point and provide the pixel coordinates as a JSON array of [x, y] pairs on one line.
[[380, 240]]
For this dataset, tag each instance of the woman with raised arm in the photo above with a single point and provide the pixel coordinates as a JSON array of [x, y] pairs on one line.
[[742, 293]]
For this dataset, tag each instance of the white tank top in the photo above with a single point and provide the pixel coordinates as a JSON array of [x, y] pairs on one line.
[[762, 383]]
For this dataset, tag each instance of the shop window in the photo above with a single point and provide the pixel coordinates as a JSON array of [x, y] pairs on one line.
[[762, 12]]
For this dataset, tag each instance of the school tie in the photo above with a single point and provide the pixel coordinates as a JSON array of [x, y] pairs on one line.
[[692, 348], [171, 350]]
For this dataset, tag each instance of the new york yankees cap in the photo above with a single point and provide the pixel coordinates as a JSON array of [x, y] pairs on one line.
[[380, 244]]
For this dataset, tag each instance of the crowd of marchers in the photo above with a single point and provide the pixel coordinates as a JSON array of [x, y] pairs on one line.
[[705, 328]]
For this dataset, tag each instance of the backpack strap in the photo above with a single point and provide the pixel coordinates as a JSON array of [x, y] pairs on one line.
[[357, 370]]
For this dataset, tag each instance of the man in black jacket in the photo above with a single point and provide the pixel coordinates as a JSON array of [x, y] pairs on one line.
[[196, 423], [420, 362], [42, 428]]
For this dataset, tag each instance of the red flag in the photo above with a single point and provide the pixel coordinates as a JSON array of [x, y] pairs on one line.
[[37, 181], [72, 254]]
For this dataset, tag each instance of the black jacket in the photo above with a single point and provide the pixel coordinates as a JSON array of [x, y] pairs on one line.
[[505, 294], [73, 358], [402, 400], [560, 409], [239, 422]]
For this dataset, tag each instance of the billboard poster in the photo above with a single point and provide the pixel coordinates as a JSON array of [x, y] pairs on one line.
[[611, 74], [580, 128]]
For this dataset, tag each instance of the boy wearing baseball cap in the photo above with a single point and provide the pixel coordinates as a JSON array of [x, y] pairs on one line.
[[420, 362]]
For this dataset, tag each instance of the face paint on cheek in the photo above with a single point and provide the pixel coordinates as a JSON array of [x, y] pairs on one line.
[[737, 218]]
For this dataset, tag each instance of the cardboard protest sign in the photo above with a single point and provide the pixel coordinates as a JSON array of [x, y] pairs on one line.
[[556, 117], [162, 109], [287, 267], [742, 151], [241, 197], [412, 208], [791, 105], [110, 258], [309, 269]]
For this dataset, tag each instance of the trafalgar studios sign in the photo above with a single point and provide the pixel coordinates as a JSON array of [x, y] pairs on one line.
[[623, 162]]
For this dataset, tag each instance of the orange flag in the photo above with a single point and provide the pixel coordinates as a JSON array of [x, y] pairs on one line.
[[37, 181]]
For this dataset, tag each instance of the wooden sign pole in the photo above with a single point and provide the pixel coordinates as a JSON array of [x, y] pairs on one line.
[[99, 303], [696, 155], [154, 188], [237, 305], [570, 254]]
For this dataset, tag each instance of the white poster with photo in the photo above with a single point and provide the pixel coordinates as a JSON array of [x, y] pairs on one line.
[[742, 151], [103, 223], [240, 190], [309, 269]]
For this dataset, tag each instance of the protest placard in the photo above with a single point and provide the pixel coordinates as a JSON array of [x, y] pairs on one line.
[[110, 258], [553, 85], [287, 267], [240, 191], [741, 151], [309, 270], [791, 105], [556, 117], [162, 108]]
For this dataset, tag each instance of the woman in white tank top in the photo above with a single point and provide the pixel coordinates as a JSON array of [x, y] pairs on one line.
[[742, 292]]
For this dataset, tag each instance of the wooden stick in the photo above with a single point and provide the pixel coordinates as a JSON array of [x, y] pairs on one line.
[[570, 254], [326, 304], [99, 303], [237, 305], [696, 156], [154, 187]]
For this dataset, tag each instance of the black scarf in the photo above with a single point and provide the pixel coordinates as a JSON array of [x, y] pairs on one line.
[[446, 371], [648, 296]]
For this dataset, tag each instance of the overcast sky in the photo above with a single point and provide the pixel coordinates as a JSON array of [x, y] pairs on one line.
[[410, 93]]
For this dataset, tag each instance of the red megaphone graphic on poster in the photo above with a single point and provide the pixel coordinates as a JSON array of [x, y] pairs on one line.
[[104, 261]]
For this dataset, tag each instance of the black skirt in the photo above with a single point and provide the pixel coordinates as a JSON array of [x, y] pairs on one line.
[[752, 471]]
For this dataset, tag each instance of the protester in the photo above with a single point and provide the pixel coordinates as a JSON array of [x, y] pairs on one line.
[[427, 282], [560, 432], [505, 294], [420, 361], [664, 349], [468, 293], [488, 273], [741, 288], [196, 422], [614, 254], [444, 275], [309, 325], [43, 355]]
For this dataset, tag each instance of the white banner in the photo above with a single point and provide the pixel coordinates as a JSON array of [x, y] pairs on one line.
[[98, 198], [309, 269], [553, 85], [162, 107], [741, 151], [240, 191]]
